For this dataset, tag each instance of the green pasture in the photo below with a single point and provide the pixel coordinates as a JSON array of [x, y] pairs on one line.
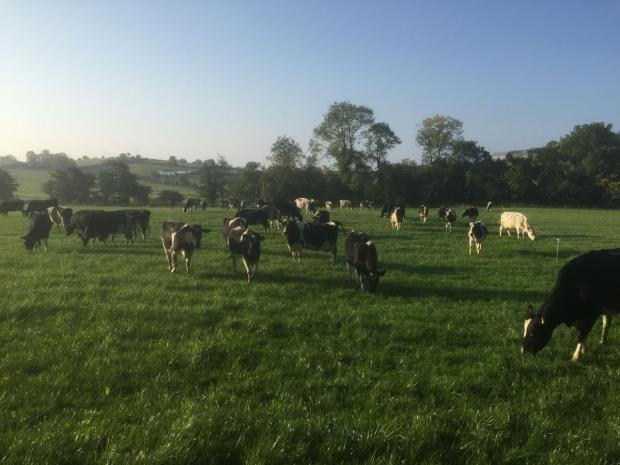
[[107, 358]]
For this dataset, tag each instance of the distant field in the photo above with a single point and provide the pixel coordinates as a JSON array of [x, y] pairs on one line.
[[31, 180], [109, 359]]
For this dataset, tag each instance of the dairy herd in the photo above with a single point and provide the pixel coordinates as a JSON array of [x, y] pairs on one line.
[[584, 291]]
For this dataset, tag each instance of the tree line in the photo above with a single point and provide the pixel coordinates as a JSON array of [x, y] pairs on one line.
[[347, 158]]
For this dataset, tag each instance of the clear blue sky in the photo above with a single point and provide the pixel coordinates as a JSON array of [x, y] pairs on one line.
[[193, 79]]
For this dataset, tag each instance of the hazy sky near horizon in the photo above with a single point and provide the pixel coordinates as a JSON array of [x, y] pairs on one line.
[[193, 79]]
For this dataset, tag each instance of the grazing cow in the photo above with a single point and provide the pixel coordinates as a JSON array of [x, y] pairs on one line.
[[78, 222], [386, 210], [140, 222], [471, 213], [360, 254], [38, 230], [244, 243], [15, 205], [300, 235], [396, 218], [450, 219], [477, 232], [230, 223], [518, 221], [254, 216], [40, 206], [346, 204], [60, 216], [441, 212], [489, 206], [289, 210], [179, 237], [423, 213], [191, 205], [274, 216], [366, 204], [329, 205], [101, 224], [586, 288], [322, 216]]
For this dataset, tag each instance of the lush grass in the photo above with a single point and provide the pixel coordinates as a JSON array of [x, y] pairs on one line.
[[108, 358]]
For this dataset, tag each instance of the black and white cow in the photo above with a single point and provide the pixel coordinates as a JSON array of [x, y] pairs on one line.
[[322, 216], [476, 234], [274, 216], [441, 212], [230, 223], [586, 288], [489, 206], [60, 216], [450, 219], [254, 216], [234, 204], [301, 235], [179, 237], [15, 205], [423, 213], [360, 254], [471, 213], [245, 243], [191, 205], [39, 229], [101, 224], [289, 210], [40, 206], [386, 210], [366, 204]]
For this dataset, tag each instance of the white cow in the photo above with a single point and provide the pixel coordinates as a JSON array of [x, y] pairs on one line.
[[329, 205], [518, 221], [304, 204], [346, 204]]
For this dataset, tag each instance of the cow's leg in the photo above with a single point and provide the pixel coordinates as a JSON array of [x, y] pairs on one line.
[[45, 244], [500, 230], [173, 259], [168, 259], [583, 330], [606, 325], [508, 232], [470, 241], [349, 270], [332, 253], [187, 255], [478, 247], [248, 273]]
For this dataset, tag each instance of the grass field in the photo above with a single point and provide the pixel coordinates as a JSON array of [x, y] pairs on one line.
[[109, 359]]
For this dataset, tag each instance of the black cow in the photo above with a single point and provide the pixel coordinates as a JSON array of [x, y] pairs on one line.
[[140, 222], [300, 235], [471, 213], [322, 216], [15, 205], [179, 237], [101, 224], [245, 243], [38, 230], [360, 254], [441, 212], [477, 232], [386, 210], [40, 206], [586, 288], [78, 221], [230, 223], [254, 216], [289, 210], [450, 219], [274, 216]]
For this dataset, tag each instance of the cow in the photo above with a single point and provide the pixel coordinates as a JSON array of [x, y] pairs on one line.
[[254, 216], [230, 223], [396, 218], [346, 204], [245, 243], [191, 205], [260, 202], [441, 212], [360, 254], [386, 210], [476, 234], [300, 235], [60, 216], [366, 204], [450, 219], [40, 206], [140, 222], [518, 221], [101, 224], [15, 205], [423, 213], [471, 213], [78, 222], [322, 216], [329, 205], [274, 216], [38, 230], [289, 210], [234, 204], [179, 237], [586, 288], [308, 205], [489, 206]]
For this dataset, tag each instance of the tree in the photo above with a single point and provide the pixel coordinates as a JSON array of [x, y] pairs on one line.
[[248, 184], [437, 136], [340, 132], [172, 160], [117, 185], [8, 185], [71, 186], [213, 177], [468, 151], [286, 152], [380, 139], [48, 160], [167, 197]]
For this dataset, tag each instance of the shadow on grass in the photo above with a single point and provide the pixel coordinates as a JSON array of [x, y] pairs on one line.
[[549, 254]]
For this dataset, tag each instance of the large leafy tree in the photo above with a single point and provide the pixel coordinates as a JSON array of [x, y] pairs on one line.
[[117, 185], [169, 197], [213, 178], [70, 186], [380, 139], [338, 136], [437, 136], [286, 152], [8, 185]]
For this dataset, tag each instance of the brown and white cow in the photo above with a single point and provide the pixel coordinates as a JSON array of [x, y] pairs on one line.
[[179, 237], [396, 218]]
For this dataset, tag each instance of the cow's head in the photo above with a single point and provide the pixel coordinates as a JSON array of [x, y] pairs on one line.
[[66, 214], [252, 241], [530, 233], [369, 280], [197, 232], [29, 242], [536, 334]]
